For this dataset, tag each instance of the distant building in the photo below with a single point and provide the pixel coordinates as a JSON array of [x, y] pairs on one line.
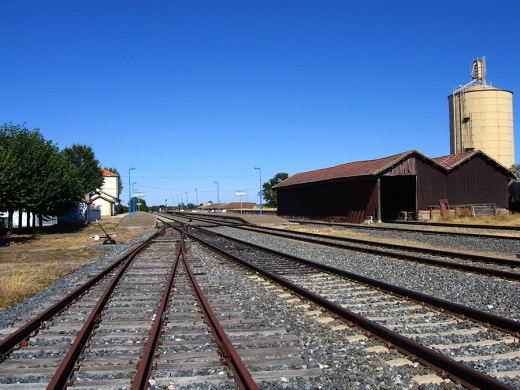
[[229, 207], [94, 207], [107, 196]]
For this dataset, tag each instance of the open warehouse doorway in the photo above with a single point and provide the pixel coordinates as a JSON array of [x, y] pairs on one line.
[[398, 196]]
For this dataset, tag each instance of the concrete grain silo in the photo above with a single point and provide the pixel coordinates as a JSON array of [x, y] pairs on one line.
[[481, 117]]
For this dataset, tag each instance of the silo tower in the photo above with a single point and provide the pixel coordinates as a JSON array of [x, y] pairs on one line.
[[481, 117]]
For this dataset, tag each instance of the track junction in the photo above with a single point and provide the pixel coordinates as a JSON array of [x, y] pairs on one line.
[[154, 330]]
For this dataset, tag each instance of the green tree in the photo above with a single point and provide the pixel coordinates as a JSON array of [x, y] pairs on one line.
[[270, 196], [10, 183], [61, 190], [87, 167], [514, 190], [140, 204], [34, 175]]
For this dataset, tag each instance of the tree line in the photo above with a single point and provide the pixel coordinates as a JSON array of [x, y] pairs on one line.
[[37, 177]]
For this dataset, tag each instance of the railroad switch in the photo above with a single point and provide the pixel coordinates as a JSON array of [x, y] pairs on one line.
[[107, 239]]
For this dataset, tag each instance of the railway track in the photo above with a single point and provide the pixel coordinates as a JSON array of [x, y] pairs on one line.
[[495, 231], [504, 266], [507, 267], [147, 322], [420, 326], [279, 322]]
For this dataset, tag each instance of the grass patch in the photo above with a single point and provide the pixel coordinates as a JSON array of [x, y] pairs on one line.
[[26, 273], [498, 220], [30, 260]]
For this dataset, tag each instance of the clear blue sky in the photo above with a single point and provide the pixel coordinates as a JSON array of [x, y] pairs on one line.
[[196, 92]]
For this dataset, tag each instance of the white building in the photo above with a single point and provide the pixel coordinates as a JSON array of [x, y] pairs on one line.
[[107, 196]]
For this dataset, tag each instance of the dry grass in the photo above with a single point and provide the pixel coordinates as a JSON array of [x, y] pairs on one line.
[[26, 277], [30, 262], [499, 220], [503, 220]]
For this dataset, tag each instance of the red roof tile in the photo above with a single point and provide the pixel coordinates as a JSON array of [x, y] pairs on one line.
[[107, 173]]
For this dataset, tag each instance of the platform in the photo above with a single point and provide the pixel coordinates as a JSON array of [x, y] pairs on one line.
[[138, 219]]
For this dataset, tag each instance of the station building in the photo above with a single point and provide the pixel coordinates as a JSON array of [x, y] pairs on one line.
[[407, 184]]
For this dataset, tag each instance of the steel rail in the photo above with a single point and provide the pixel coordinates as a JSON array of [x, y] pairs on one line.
[[242, 375], [459, 225], [20, 336], [66, 368], [438, 252], [497, 322], [445, 366], [312, 237], [309, 237], [426, 231], [144, 367]]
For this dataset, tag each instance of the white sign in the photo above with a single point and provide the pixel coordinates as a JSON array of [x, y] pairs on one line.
[[240, 193]]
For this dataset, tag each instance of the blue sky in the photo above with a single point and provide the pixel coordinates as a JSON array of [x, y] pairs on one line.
[[196, 92]]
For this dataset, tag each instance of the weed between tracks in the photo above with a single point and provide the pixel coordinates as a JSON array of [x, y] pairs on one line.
[[29, 261]]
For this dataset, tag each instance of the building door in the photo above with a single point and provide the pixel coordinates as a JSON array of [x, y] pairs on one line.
[[398, 197]]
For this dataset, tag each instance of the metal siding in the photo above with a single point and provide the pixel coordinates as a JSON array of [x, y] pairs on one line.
[[405, 167], [431, 185], [329, 199], [475, 180]]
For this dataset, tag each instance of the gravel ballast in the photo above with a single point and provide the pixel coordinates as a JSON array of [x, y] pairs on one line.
[[493, 295], [344, 364], [28, 308]]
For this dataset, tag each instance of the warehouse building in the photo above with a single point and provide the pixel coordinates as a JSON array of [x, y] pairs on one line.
[[408, 184]]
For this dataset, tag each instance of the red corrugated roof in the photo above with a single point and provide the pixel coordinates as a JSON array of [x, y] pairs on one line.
[[375, 167], [353, 169], [453, 160]]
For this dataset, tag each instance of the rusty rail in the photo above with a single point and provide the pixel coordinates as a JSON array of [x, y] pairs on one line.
[[241, 373], [242, 376], [445, 366], [144, 367], [20, 336], [66, 368], [497, 322], [311, 237]]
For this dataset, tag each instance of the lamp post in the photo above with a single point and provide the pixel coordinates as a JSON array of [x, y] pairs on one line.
[[130, 192], [173, 203], [218, 199], [134, 200], [187, 203], [178, 204], [196, 200], [260, 172], [182, 200]]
